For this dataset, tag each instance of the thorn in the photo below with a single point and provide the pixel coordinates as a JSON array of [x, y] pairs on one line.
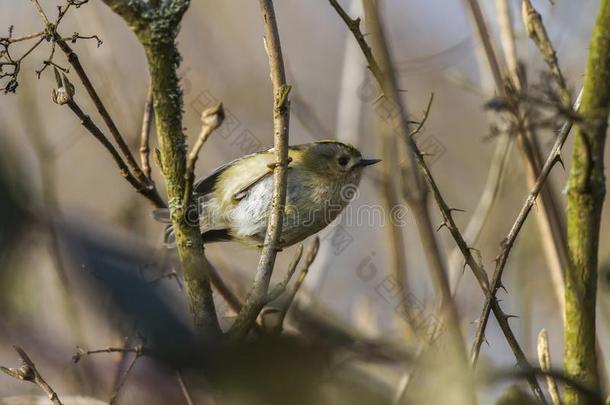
[[456, 210], [477, 251], [503, 287], [441, 226], [507, 317], [486, 341], [559, 160]]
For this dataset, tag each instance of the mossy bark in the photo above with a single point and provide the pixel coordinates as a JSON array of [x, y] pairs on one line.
[[586, 193], [156, 28]]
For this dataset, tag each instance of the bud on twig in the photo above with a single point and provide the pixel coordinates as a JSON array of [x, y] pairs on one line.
[[65, 90]]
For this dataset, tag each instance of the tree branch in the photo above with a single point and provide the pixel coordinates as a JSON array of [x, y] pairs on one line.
[[507, 244], [476, 268], [544, 358], [28, 372], [156, 29], [310, 256], [145, 134], [281, 113], [586, 194], [211, 118], [64, 94]]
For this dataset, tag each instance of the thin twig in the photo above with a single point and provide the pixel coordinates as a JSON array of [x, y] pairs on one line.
[[223, 289], [121, 383], [280, 287], [184, 389], [80, 352], [64, 94], [544, 358], [310, 256], [537, 32], [74, 61], [258, 294], [211, 118], [145, 134], [101, 108], [41, 12], [507, 38], [28, 372], [482, 212]]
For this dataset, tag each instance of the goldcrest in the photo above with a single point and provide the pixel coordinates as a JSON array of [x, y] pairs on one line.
[[233, 203]]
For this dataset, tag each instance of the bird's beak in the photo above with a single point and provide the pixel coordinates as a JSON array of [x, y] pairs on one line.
[[367, 162]]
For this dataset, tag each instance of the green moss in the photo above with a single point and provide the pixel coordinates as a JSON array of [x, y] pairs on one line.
[[156, 28]]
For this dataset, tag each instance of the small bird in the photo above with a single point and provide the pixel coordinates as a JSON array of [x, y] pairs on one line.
[[233, 202]]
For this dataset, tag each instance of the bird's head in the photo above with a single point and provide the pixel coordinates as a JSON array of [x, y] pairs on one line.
[[335, 160]]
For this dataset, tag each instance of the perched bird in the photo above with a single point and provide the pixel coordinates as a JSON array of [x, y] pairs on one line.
[[233, 202]]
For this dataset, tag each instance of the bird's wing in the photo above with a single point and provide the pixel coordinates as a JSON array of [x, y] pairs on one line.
[[205, 185]]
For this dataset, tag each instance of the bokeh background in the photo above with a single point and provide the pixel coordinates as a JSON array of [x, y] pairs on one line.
[[52, 170]]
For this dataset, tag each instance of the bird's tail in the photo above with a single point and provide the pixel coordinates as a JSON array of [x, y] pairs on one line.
[[212, 229], [169, 238]]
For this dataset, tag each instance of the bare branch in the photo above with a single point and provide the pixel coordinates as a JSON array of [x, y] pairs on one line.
[[115, 394], [310, 256], [281, 108], [422, 122], [354, 26], [544, 358], [101, 108], [537, 32], [28, 372], [138, 351], [477, 269], [145, 134], [223, 289], [80, 352], [184, 389], [211, 118], [280, 287], [553, 158], [64, 94]]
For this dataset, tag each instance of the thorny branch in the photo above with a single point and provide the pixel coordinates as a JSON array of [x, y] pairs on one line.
[[28, 372], [537, 32], [507, 244], [474, 265]]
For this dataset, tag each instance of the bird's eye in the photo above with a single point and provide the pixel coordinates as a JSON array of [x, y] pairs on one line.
[[343, 161]]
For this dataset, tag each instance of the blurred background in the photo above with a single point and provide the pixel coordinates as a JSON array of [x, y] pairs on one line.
[[67, 214]]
